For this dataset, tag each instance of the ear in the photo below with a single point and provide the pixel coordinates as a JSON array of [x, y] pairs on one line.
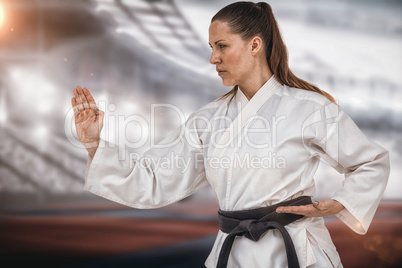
[[256, 45]]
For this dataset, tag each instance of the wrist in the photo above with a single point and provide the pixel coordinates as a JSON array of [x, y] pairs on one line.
[[92, 152], [92, 147], [338, 207]]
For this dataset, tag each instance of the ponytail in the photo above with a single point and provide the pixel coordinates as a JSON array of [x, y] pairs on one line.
[[248, 20]]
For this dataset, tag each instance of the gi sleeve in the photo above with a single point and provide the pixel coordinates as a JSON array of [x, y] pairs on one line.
[[364, 163], [166, 173]]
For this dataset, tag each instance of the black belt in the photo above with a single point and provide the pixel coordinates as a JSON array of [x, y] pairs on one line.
[[254, 223]]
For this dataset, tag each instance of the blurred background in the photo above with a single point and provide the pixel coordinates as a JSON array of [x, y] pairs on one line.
[[132, 54]]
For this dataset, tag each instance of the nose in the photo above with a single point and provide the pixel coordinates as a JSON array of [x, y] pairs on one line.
[[214, 58]]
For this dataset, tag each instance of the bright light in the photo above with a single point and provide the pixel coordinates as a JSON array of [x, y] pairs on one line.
[[15, 74], [43, 104], [3, 111], [1, 14], [43, 98], [40, 131]]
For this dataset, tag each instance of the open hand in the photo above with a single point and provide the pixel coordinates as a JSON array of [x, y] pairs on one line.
[[88, 119], [322, 208]]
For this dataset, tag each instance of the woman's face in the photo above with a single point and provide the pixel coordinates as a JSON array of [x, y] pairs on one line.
[[230, 53]]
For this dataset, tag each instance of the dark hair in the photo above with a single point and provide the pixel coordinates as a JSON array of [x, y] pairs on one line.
[[248, 20]]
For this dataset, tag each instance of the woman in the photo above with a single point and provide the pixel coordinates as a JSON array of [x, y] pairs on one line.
[[259, 147]]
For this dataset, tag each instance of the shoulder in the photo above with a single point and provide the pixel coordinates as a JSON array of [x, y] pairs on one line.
[[301, 103], [302, 96]]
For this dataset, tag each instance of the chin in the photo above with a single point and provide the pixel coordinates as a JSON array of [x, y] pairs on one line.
[[228, 83]]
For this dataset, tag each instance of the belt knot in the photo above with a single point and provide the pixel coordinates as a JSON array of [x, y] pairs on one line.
[[252, 229], [254, 223]]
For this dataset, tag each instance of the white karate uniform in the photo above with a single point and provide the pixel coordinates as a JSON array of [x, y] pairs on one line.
[[256, 153]]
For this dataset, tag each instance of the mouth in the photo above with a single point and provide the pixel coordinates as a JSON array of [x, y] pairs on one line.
[[220, 72]]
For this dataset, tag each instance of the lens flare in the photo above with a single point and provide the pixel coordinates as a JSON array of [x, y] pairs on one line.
[[1, 14]]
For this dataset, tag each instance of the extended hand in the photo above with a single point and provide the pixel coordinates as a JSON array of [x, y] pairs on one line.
[[88, 119], [324, 208]]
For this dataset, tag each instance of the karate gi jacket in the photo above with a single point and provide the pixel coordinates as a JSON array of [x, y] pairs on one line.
[[255, 153]]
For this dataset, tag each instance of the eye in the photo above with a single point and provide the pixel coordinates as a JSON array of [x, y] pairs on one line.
[[221, 46]]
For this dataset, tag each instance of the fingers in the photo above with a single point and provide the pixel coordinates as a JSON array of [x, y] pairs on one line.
[[99, 114], [306, 210], [84, 99], [90, 99], [322, 208], [75, 107], [78, 100]]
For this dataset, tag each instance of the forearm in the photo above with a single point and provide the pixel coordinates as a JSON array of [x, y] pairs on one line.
[[337, 207], [138, 180]]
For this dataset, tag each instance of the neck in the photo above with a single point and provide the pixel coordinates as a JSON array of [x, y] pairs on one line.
[[255, 82]]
